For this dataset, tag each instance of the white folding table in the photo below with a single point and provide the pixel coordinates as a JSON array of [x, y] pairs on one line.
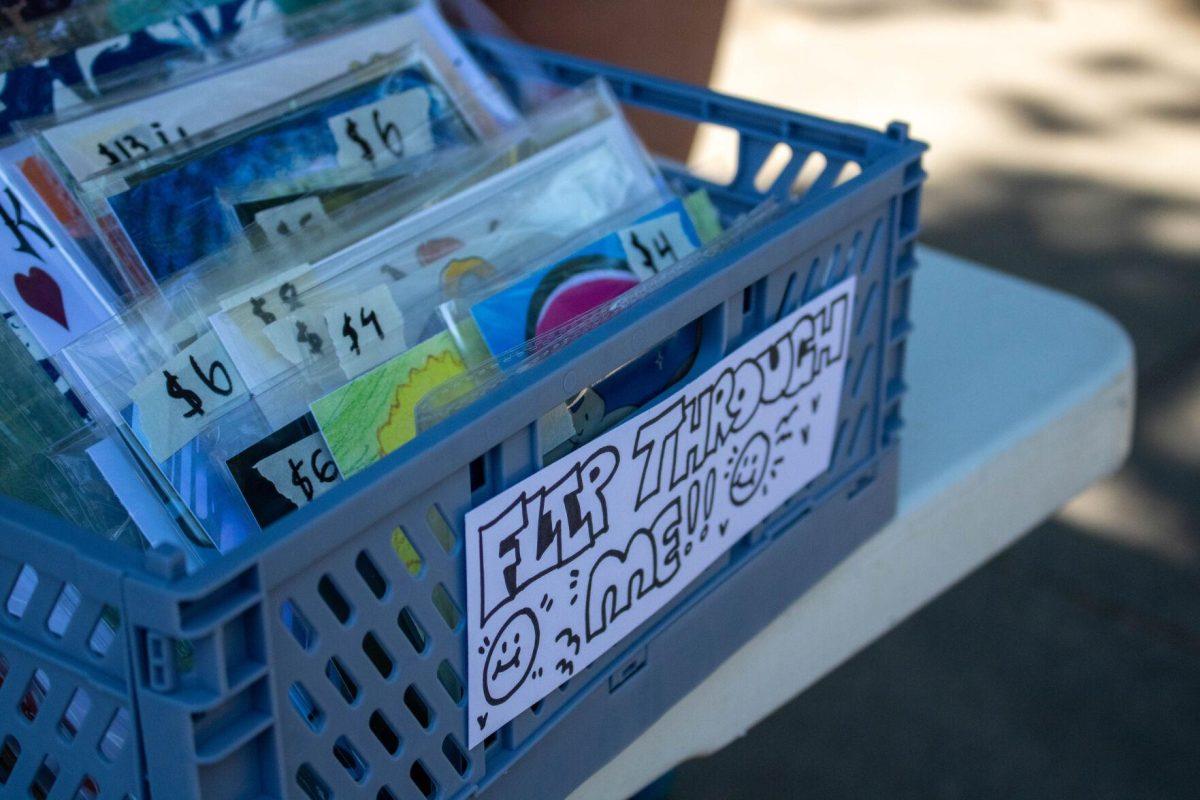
[[1020, 398]]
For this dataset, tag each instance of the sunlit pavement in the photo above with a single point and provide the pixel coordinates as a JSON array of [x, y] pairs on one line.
[[1066, 150]]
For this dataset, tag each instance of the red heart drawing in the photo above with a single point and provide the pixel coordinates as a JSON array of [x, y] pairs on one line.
[[43, 294]]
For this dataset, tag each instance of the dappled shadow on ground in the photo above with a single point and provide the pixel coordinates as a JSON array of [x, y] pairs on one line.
[[1092, 239]]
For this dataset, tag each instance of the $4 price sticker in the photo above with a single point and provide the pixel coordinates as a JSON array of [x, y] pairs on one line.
[[385, 131], [653, 245], [302, 471], [180, 398], [366, 330]]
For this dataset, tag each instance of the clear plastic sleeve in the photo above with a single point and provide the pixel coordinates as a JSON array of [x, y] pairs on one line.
[[118, 143]]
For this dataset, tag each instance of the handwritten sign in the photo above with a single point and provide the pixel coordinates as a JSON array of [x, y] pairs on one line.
[[566, 563], [366, 330], [180, 398], [654, 245], [286, 221], [385, 131], [302, 471]]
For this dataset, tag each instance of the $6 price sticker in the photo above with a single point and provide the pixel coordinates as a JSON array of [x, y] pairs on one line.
[[180, 398]]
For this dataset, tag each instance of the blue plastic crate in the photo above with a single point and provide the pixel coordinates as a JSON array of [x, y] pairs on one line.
[[313, 663]]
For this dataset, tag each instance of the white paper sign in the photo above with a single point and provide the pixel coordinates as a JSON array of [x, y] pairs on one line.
[[302, 471], [284, 222], [385, 131], [366, 330], [178, 400], [563, 565], [654, 245]]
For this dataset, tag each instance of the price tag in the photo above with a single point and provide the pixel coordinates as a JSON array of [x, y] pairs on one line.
[[273, 297], [302, 471], [176, 401], [284, 222], [300, 336], [246, 316], [366, 330], [385, 131], [136, 141], [655, 244]]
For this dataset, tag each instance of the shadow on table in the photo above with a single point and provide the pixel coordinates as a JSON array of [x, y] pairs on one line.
[[1024, 681], [1070, 665]]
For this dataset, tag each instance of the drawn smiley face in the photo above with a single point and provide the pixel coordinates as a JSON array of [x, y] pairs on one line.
[[511, 657], [749, 469]]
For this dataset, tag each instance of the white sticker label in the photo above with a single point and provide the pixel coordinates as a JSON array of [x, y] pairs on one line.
[[286, 222], [654, 245], [248, 315], [301, 336], [385, 131], [302, 471], [563, 565], [366, 330], [180, 398]]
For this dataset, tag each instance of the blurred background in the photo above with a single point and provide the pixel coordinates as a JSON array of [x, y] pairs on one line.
[[1066, 150]]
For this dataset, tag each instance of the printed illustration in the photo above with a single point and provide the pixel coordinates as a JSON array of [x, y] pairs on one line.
[[566, 563]]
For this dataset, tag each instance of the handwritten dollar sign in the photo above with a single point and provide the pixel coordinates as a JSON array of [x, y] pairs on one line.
[[299, 480], [351, 334], [304, 336], [353, 135], [177, 391], [647, 256]]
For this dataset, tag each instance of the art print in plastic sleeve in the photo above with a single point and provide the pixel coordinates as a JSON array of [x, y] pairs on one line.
[[171, 212], [563, 565], [557, 293], [58, 297], [63, 80], [375, 413], [256, 83]]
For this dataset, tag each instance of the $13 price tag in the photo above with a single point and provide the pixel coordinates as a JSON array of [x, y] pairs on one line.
[[302, 471], [180, 398], [385, 131]]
